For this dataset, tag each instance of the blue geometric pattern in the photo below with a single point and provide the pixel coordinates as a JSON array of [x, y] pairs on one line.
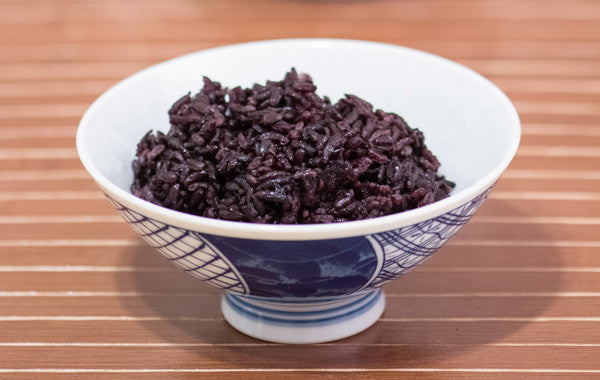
[[405, 248], [313, 268], [187, 249]]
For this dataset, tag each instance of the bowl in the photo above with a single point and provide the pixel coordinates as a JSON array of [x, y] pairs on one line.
[[308, 283]]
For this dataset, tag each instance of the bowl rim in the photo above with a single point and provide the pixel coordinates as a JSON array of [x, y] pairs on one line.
[[256, 231]]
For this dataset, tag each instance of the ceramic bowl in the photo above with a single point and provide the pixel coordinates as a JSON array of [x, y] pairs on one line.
[[308, 283]]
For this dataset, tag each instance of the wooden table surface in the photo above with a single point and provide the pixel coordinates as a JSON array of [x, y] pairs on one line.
[[516, 294]]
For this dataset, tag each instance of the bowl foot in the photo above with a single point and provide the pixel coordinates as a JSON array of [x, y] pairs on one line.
[[300, 320]]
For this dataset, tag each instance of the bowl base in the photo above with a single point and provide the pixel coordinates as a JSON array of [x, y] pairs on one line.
[[302, 320]]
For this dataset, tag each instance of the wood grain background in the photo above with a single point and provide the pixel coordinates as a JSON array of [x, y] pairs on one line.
[[516, 294]]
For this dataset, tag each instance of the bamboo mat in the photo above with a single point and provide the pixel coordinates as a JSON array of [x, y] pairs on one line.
[[516, 294]]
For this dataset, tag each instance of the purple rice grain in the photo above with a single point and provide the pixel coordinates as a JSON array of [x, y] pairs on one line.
[[279, 153]]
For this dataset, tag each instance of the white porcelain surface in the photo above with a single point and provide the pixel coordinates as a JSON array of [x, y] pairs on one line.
[[468, 122]]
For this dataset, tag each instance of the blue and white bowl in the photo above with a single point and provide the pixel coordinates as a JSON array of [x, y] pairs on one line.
[[308, 283]]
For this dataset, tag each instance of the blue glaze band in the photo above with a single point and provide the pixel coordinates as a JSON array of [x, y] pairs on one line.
[[248, 304], [347, 312]]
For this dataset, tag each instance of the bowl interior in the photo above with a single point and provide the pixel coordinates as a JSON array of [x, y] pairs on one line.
[[468, 123]]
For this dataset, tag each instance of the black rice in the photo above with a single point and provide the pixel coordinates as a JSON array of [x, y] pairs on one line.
[[279, 153]]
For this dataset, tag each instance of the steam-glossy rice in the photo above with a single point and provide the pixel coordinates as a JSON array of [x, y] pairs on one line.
[[279, 153]]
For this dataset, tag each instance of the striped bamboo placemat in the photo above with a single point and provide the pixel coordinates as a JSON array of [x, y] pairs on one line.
[[515, 294]]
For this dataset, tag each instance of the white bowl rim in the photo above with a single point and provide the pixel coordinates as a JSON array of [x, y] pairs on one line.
[[277, 232]]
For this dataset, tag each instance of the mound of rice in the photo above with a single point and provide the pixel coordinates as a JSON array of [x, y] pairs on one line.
[[279, 153]]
